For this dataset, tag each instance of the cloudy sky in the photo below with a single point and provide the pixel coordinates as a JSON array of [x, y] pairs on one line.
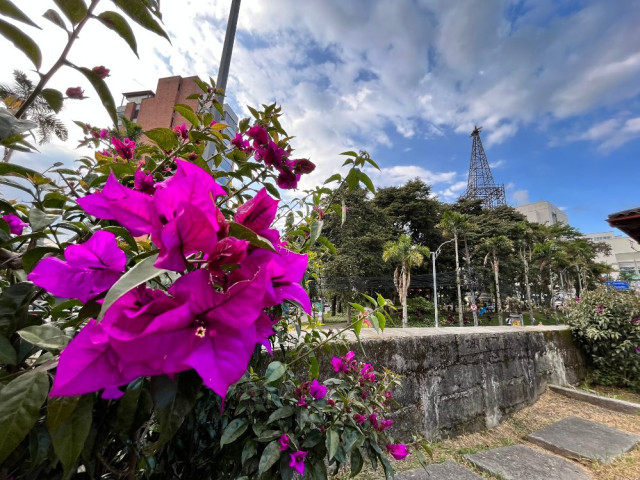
[[554, 83]]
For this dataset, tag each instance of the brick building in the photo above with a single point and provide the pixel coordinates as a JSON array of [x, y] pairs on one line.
[[154, 110]]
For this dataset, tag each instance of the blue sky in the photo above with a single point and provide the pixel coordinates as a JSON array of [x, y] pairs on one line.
[[555, 84]]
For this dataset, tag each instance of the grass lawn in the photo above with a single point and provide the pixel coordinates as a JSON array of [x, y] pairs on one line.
[[550, 408]]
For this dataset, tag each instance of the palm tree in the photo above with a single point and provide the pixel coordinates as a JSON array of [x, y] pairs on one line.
[[406, 255], [495, 248], [39, 112], [525, 248], [453, 224]]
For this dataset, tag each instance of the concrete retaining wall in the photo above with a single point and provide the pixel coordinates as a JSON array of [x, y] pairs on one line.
[[460, 380]]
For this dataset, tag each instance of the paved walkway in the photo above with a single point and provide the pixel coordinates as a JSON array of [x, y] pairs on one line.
[[572, 437]]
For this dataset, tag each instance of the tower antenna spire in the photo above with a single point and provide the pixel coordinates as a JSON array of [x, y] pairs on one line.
[[481, 184]]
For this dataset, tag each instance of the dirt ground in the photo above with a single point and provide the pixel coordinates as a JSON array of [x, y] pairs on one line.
[[550, 408]]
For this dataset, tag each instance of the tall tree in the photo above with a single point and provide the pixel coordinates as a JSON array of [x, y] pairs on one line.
[[495, 248], [525, 243], [40, 112], [406, 255], [454, 224]]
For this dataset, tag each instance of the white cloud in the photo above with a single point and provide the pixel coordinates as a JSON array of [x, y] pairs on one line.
[[453, 192], [612, 133], [401, 174], [497, 164], [520, 197]]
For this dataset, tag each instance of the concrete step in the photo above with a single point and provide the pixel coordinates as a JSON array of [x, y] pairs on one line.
[[604, 402], [576, 438], [439, 471], [518, 462]]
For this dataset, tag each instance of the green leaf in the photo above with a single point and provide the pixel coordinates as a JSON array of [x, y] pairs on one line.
[[234, 430], [240, 231], [163, 137], [282, 412], [39, 220], [59, 409], [53, 97], [316, 228], [45, 336], [327, 244], [127, 408], [139, 13], [357, 306], [333, 440], [14, 304], [174, 400], [350, 153], [20, 402], [69, 436], [269, 457], [187, 112], [381, 301], [124, 234], [314, 368], [7, 352], [333, 178], [55, 18], [14, 170], [103, 92], [356, 462], [139, 274], [275, 370], [22, 42], [10, 10], [118, 24], [350, 437], [249, 451], [371, 300], [382, 321], [271, 188], [74, 10], [364, 178]]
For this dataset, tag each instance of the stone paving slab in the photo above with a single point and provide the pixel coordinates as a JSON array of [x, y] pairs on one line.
[[574, 437], [439, 471], [604, 402], [518, 462]]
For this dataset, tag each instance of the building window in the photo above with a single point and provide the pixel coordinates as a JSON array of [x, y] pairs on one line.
[[136, 111]]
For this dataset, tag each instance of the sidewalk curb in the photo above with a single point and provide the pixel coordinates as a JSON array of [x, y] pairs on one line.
[[604, 402]]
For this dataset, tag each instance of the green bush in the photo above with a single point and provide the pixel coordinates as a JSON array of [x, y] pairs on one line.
[[419, 308], [606, 324]]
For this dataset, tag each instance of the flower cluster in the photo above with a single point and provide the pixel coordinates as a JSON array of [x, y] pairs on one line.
[[210, 319], [16, 226], [269, 152]]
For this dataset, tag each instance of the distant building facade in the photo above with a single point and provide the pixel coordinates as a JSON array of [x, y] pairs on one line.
[[625, 252], [544, 213], [151, 109]]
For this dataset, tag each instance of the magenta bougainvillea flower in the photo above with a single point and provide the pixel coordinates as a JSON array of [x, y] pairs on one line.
[[211, 319], [133, 210], [303, 166], [143, 182], [90, 268], [101, 71], [297, 461], [598, 308], [16, 226], [259, 135], [284, 442], [75, 93], [360, 419], [147, 332], [181, 131], [241, 144], [125, 148], [398, 450], [317, 390]]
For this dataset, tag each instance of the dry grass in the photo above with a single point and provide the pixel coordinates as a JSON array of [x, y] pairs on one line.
[[550, 408]]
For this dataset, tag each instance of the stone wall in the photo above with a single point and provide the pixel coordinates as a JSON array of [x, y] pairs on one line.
[[459, 380]]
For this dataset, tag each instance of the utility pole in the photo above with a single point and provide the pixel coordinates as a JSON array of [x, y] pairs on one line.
[[434, 255], [225, 60]]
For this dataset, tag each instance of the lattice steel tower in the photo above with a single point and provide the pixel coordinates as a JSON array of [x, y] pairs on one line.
[[481, 184]]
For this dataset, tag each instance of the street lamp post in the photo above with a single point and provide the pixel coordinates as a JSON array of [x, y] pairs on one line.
[[434, 255]]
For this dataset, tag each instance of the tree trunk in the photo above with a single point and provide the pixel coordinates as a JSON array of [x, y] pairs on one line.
[[527, 286], [496, 274], [551, 290], [467, 258], [460, 318], [405, 279]]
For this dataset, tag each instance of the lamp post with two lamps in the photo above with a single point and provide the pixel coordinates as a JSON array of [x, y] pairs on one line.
[[434, 255]]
